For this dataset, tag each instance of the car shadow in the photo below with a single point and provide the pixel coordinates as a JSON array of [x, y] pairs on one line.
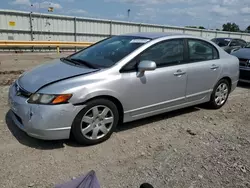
[[26, 140], [244, 85], [156, 118]]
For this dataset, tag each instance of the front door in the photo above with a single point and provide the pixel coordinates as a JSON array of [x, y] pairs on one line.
[[162, 88], [203, 69]]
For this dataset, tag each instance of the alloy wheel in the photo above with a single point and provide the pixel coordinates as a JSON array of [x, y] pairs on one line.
[[97, 122], [221, 94]]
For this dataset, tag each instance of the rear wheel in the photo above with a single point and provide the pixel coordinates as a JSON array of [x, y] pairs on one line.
[[96, 122], [220, 94]]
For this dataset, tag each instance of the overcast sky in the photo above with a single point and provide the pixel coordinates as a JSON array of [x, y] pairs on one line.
[[207, 13]]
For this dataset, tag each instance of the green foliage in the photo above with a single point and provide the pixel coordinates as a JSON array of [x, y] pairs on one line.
[[232, 27], [248, 29]]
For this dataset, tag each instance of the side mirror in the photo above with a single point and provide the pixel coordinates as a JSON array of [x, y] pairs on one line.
[[145, 66]]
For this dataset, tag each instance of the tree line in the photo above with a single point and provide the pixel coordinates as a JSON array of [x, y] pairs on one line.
[[232, 27]]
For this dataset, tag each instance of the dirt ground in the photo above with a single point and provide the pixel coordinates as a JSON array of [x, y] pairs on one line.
[[189, 148]]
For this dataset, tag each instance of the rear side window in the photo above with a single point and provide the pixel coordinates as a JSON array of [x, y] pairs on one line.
[[201, 51], [215, 53]]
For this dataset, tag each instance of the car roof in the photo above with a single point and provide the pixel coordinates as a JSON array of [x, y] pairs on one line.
[[228, 38], [154, 35], [222, 38]]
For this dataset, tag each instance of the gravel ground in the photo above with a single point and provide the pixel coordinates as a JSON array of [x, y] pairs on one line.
[[193, 147]]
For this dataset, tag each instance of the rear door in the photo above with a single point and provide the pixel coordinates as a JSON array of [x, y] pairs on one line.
[[203, 69]]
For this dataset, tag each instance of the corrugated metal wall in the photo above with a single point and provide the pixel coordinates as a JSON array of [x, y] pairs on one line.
[[15, 25]]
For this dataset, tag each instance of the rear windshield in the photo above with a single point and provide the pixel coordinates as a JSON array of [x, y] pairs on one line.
[[221, 42]]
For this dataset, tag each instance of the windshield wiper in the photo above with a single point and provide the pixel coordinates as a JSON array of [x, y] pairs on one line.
[[84, 62], [70, 60]]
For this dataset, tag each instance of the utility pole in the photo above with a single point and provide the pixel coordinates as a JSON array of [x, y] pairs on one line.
[[128, 14]]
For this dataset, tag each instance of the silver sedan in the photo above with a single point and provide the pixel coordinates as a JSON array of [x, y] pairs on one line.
[[120, 79]]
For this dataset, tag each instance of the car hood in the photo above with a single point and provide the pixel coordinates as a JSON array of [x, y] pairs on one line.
[[243, 53], [49, 73]]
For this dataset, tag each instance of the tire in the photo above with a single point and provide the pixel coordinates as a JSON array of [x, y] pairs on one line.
[[96, 122], [219, 95]]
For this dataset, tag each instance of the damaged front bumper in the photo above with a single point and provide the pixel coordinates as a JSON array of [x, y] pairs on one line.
[[47, 122]]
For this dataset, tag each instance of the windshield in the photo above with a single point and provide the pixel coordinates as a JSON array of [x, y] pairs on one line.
[[221, 42], [108, 52]]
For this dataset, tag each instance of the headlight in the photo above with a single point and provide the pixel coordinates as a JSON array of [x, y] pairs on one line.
[[39, 98]]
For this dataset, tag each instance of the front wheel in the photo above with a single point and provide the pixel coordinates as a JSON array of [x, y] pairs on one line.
[[96, 122], [220, 94]]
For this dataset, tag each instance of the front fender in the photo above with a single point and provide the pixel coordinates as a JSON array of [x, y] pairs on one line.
[[87, 95]]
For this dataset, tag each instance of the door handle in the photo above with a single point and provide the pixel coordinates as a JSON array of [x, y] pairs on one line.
[[179, 73], [214, 67]]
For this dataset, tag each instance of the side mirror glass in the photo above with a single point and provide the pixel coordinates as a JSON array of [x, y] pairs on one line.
[[145, 66]]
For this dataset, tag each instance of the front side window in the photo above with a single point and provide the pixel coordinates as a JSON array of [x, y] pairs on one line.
[[248, 45], [108, 52], [234, 43], [169, 52], [165, 53], [201, 51], [242, 43], [221, 41]]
